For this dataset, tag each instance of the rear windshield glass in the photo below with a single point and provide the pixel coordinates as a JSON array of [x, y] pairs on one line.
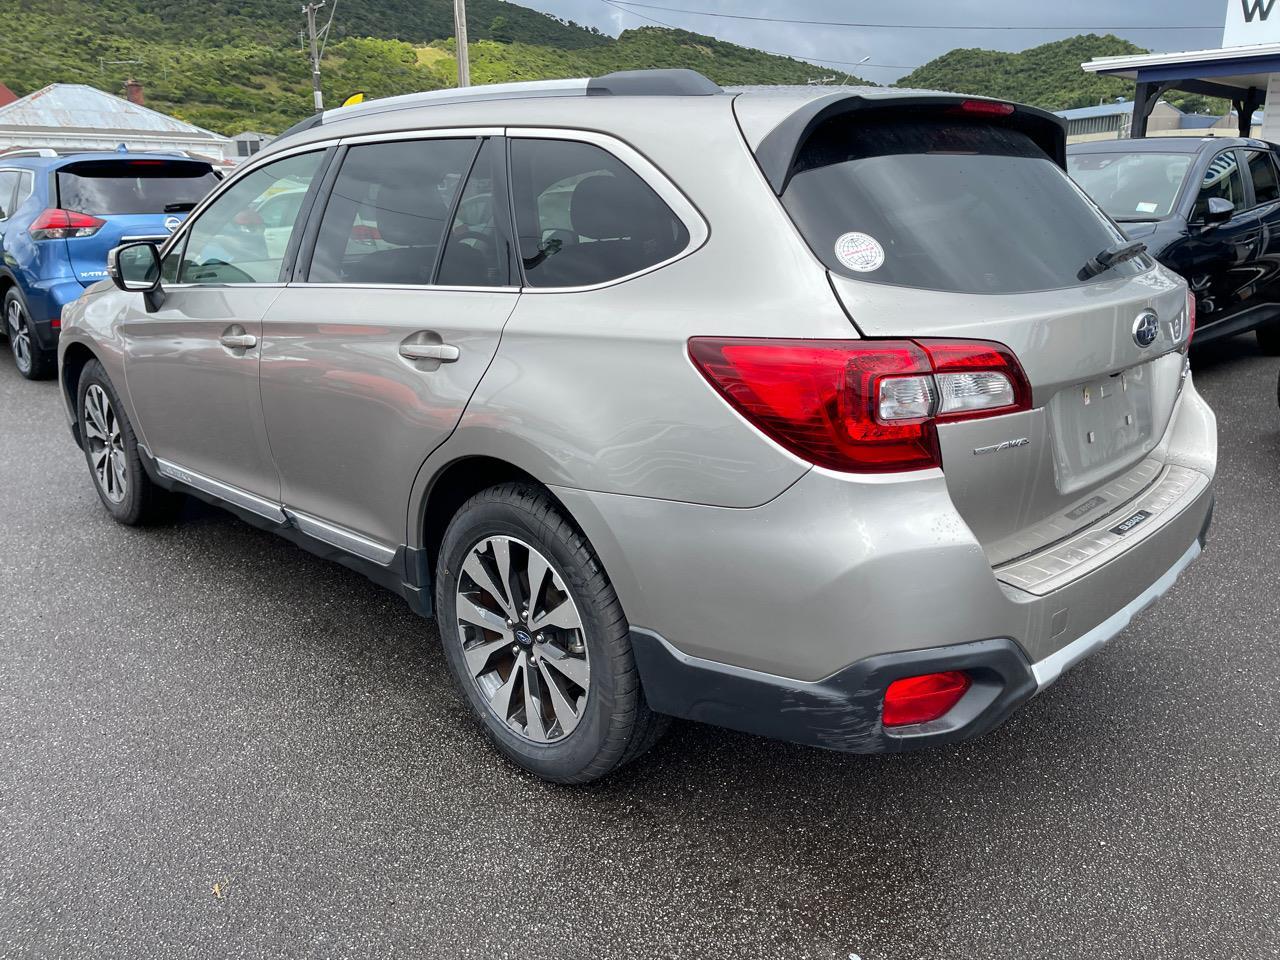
[[1131, 186], [944, 205], [104, 187]]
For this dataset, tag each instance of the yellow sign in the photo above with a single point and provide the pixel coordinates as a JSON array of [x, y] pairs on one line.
[[351, 101]]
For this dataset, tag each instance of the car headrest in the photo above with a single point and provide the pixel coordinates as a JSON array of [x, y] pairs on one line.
[[605, 207], [410, 214]]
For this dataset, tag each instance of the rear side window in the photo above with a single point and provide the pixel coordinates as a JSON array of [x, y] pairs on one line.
[[944, 205], [8, 188], [1222, 179], [584, 217], [1263, 170], [477, 251], [386, 217], [106, 187]]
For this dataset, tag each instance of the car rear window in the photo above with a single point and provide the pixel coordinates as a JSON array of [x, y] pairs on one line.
[[106, 187], [943, 204]]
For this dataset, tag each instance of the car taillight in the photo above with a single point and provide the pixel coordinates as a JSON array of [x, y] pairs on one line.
[[924, 698], [985, 108], [63, 224], [863, 406]]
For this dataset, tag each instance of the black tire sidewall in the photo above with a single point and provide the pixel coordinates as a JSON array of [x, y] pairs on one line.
[[42, 361], [130, 510], [565, 759]]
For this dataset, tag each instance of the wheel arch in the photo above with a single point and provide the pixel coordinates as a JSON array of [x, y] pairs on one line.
[[75, 357]]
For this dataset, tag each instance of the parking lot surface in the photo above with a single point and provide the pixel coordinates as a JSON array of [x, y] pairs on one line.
[[215, 745]]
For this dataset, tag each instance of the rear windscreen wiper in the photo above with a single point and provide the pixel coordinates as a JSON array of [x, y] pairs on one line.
[[1108, 258], [179, 207]]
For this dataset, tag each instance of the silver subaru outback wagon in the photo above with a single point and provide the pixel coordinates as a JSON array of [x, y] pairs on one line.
[[834, 415]]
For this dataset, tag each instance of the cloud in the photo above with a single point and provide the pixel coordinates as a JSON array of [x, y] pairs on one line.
[[897, 50]]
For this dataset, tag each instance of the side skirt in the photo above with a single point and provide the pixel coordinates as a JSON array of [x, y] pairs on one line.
[[405, 571]]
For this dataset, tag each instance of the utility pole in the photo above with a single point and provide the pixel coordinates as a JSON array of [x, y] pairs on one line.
[[460, 37], [310, 10]]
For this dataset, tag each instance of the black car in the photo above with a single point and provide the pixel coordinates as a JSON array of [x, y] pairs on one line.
[[1207, 208]]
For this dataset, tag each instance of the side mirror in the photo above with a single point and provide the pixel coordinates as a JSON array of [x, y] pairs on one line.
[[135, 267], [1220, 210]]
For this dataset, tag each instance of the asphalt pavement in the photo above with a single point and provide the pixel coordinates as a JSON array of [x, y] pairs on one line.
[[214, 745]]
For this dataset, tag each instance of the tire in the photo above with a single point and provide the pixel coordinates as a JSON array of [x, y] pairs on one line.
[[33, 361], [1269, 339], [599, 720], [123, 485]]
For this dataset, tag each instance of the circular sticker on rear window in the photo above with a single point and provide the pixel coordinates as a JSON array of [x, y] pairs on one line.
[[860, 251]]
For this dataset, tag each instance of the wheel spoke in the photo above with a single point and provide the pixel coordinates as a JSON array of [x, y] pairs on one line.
[[475, 569], [575, 668], [534, 727], [563, 615], [501, 699], [536, 568], [117, 466], [478, 656], [501, 547], [560, 705], [99, 458], [480, 617]]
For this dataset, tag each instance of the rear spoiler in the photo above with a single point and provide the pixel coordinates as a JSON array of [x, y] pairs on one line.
[[777, 152]]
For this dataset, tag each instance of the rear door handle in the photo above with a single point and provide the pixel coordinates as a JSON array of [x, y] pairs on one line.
[[444, 352], [238, 341]]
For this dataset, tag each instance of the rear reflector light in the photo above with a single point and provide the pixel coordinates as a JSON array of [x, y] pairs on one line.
[[63, 225], [863, 406], [1191, 316], [924, 698], [986, 108]]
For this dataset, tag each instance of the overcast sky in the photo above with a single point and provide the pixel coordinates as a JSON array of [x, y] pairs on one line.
[[899, 49]]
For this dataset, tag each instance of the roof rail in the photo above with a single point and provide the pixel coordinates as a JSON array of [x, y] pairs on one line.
[[625, 83], [29, 152]]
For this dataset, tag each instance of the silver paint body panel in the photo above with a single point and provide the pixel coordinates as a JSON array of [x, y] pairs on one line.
[[731, 548]]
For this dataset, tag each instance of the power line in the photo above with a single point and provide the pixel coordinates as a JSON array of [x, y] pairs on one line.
[[891, 26], [776, 53]]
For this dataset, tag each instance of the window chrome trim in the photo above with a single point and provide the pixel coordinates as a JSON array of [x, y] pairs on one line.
[[646, 170], [420, 287], [342, 538]]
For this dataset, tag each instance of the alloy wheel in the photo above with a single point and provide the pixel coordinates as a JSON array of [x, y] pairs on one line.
[[19, 335], [106, 444], [522, 639]]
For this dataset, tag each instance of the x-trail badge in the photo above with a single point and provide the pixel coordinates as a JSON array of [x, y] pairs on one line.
[[1146, 328]]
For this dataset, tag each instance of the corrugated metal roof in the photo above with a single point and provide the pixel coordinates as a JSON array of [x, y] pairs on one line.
[[1102, 110], [77, 105]]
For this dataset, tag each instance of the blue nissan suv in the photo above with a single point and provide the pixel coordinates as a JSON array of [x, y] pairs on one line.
[[61, 213]]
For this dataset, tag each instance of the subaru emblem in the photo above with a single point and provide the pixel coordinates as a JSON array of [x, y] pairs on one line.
[[1146, 328], [172, 223]]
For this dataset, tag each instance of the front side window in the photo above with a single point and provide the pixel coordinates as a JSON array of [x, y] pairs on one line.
[[1222, 179], [941, 204], [1263, 171], [1131, 186], [584, 217], [385, 220], [242, 236]]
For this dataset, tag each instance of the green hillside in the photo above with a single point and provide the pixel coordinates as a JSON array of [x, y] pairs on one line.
[[1047, 76], [231, 65]]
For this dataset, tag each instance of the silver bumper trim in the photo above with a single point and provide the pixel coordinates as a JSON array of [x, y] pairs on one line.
[[1053, 666]]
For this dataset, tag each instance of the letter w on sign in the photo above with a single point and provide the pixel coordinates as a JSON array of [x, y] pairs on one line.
[[1261, 9]]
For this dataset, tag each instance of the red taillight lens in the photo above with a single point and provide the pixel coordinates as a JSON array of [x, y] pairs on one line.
[[866, 406], [63, 225], [924, 698]]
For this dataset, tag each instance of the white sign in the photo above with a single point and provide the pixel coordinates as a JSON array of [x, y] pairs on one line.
[[1251, 21]]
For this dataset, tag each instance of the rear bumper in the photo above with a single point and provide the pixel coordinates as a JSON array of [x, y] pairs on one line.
[[842, 711]]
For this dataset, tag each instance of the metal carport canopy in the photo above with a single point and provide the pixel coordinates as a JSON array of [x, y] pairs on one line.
[[1239, 74]]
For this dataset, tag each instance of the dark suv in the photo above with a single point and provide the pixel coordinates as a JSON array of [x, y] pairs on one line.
[[1207, 208]]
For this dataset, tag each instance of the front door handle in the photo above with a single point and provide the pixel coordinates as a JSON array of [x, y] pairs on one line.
[[444, 352], [238, 341]]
